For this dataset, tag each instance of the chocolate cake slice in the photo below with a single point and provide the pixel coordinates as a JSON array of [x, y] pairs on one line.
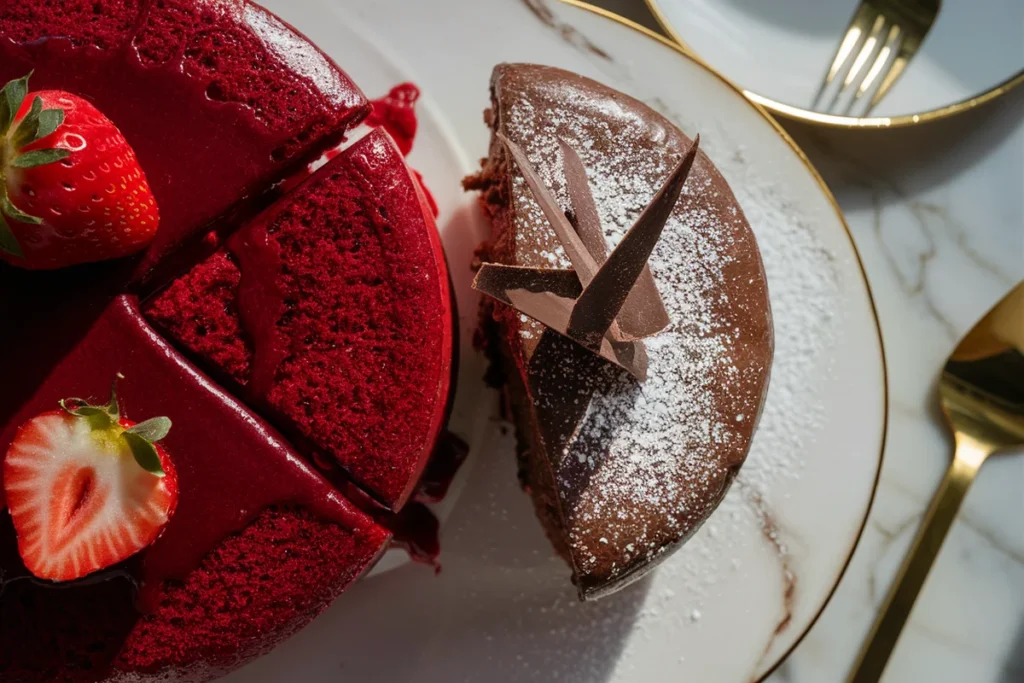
[[623, 467]]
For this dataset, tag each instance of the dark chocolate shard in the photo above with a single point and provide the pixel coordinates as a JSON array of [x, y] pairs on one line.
[[582, 261], [602, 299], [496, 279], [585, 304], [526, 290], [643, 314], [585, 218]]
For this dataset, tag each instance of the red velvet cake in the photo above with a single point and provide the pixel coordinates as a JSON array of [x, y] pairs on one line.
[[361, 370], [327, 314], [217, 98], [199, 612]]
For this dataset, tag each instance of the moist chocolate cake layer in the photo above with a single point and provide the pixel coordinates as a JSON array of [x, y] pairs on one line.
[[623, 472]]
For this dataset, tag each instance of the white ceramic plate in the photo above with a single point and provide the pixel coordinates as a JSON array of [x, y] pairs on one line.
[[734, 600], [781, 49]]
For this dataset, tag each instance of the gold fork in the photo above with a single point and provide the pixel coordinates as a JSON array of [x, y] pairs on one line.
[[981, 391], [879, 42]]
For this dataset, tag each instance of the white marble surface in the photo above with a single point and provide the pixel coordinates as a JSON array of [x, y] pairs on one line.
[[938, 215], [937, 212]]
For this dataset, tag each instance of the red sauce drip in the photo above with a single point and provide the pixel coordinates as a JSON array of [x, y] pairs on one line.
[[260, 301], [415, 530], [415, 527], [426, 193], [448, 456], [396, 113]]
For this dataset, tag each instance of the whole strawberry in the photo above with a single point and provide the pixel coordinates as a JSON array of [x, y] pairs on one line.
[[72, 190]]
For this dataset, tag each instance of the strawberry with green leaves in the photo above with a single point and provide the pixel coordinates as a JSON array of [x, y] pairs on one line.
[[87, 488], [72, 190]]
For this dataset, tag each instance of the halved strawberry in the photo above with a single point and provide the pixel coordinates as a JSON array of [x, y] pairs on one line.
[[86, 488], [71, 189]]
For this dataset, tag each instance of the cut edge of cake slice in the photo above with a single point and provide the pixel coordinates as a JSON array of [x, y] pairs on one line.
[[344, 334], [260, 543]]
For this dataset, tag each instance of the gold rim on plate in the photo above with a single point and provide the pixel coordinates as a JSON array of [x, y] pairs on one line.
[[860, 264], [800, 114]]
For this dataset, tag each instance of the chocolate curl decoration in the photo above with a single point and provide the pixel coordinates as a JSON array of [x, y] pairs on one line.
[[605, 303]]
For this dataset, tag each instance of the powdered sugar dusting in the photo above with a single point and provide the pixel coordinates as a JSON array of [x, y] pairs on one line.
[[648, 462], [805, 294], [805, 297], [805, 291]]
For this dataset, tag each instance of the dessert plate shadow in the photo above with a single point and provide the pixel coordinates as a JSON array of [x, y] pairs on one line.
[[742, 593]]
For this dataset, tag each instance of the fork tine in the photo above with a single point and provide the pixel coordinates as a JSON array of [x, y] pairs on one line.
[[856, 31], [891, 44], [906, 49], [868, 50]]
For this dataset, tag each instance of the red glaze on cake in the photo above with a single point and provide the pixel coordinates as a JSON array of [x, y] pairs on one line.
[[218, 98], [230, 467], [362, 370], [394, 113]]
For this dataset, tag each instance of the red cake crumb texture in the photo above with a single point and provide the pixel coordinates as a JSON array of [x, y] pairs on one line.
[[253, 591], [218, 98], [329, 314], [361, 369], [103, 24]]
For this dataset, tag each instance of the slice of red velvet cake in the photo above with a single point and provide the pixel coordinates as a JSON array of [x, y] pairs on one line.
[[218, 98], [284, 543], [360, 369]]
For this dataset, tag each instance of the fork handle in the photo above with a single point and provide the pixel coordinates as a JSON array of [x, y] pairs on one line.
[[875, 653]]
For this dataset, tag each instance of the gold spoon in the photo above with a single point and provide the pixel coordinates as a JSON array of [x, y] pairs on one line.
[[981, 390]]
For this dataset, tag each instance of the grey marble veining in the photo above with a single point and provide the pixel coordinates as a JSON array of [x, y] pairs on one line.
[[937, 212]]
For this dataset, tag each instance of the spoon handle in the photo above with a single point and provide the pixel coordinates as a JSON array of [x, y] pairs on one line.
[[875, 653]]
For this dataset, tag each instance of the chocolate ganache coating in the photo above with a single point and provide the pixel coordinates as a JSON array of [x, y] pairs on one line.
[[621, 472]]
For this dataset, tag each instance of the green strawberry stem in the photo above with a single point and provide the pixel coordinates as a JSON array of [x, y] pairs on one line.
[[140, 438], [35, 125]]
